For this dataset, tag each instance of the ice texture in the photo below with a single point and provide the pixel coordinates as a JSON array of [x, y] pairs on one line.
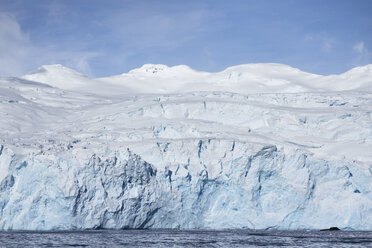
[[73, 159]]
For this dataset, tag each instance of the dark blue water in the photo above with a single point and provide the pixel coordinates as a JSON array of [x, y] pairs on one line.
[[177, 238]]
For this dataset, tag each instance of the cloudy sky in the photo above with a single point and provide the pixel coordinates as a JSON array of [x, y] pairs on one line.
[[102, 38]]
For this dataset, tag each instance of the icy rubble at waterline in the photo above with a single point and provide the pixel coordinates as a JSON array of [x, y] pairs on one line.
[[73, 160]]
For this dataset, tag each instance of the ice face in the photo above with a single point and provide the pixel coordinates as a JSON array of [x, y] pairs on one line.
[[75, 160], [250, 187]]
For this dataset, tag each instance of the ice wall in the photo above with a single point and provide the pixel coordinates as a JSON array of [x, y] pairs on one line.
[[243, 186]]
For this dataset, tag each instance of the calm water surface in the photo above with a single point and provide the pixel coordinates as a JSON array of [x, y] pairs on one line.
[[176, 238]]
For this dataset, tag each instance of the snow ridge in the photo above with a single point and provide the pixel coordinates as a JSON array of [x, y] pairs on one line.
[[247, 79]]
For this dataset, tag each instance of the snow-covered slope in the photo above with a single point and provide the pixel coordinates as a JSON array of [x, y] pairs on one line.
[[65, 78], [199, 159], [243, 79], [246, 79]]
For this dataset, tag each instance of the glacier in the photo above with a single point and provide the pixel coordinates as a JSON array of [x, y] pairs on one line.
[[255, 146]]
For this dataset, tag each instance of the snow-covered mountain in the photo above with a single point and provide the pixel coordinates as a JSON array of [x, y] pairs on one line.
[[243, 79], [65, 78], [253, 146]]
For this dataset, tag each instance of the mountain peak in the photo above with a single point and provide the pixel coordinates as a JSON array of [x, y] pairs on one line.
[[53, 69], [361, 69], [160, 69], [150, 69], [57, 75]]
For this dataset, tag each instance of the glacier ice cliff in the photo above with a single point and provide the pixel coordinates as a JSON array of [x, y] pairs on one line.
[[211, 160], [249, 186]]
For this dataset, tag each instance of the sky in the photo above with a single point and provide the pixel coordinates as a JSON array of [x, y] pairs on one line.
[[110, 37]]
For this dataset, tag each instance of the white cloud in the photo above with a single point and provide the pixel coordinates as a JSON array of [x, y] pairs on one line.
[[327, 45], [19, 54], [147, 29], [56, 12], [14, 45], [362, 54], [323, 40], [359, 47]]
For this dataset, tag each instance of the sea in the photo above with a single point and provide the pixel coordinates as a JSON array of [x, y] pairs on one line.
[[185, 238]]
